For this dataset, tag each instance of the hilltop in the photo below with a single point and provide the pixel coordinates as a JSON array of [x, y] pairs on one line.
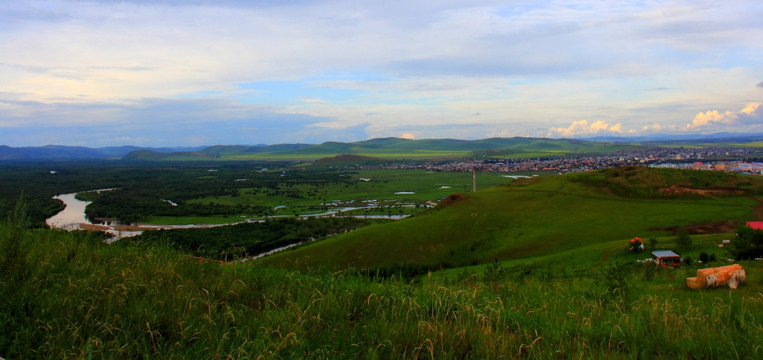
[[59, 152], [541, 216], [344, 159], [385, 148]]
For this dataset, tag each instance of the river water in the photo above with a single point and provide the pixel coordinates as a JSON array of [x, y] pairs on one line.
[[72, 217]]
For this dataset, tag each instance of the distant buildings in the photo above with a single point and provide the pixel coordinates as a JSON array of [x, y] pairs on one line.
[[719, 159], [666, 258]]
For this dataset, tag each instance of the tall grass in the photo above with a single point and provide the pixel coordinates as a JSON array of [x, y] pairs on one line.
[[66, 295]]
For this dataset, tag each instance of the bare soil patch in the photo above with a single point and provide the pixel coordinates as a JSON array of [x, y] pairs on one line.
[[719, 227], [92, 227], [451, 199], [711, 193], [758, 211]]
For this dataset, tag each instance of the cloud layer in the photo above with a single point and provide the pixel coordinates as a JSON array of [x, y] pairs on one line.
[[175, 72]]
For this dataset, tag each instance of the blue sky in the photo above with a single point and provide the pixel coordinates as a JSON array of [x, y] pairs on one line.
[[173, 72]]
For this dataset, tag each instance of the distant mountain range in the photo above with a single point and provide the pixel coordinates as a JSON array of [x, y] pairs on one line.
[[380, 147], [61, 152]]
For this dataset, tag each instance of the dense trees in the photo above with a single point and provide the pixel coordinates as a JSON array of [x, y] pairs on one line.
[[141, 187], [238, 241]]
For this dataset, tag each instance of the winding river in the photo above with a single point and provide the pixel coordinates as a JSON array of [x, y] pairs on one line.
[[72, 217]]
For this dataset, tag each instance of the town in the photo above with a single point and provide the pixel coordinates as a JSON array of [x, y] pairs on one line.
[[738, 160]]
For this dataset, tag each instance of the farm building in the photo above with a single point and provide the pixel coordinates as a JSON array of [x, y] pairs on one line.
[[666, 258], [757, 225]]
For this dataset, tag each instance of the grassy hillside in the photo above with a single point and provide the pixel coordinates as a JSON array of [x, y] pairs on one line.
[[539, 216], [433, 148], [150, 155], [394, 148], [642, 182], [68, 295]]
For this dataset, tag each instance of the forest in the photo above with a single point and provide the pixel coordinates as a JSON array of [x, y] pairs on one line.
[[236, 242], [141, 186]]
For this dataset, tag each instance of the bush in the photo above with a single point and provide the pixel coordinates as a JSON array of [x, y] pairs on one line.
[[683, 240], [748, 243], [703, 257], [652, 244]]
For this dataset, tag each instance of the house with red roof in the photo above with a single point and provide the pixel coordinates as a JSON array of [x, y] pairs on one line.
[[756, 225]]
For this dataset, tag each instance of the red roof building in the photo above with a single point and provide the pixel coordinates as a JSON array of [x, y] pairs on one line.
[[757, 225]]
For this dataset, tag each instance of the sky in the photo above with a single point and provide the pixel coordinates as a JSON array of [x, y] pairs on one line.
[[206, 72]]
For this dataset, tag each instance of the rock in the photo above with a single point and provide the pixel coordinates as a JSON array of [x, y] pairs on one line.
[[731, 276]]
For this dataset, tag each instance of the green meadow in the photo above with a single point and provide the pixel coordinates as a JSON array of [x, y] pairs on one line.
[[535, 217], [68, 295], [417, 186]]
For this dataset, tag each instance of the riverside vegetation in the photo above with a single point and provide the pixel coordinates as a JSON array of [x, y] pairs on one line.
[[527, 291]]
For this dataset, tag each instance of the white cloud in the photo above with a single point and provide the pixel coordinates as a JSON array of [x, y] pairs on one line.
[[652, 128], [750, 109], [408, 135], [583, 128], [715, 120], [711, 117]]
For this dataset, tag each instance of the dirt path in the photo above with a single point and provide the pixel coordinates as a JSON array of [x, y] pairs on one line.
[[606, 256], [758, 210]]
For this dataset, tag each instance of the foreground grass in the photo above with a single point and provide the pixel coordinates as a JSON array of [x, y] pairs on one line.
[[69, 296]]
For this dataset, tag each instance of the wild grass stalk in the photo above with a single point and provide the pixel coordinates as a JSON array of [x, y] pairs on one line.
[[70, 296]]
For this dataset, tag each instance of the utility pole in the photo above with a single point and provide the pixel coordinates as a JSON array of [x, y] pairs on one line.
[[474, 180]]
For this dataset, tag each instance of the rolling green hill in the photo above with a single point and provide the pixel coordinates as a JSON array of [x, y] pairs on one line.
[[211, 152], [68, 295], [392, 148], [432, 148], [541, 216], [150, 155]]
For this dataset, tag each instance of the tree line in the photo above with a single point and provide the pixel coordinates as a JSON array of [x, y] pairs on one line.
[[249, 239]]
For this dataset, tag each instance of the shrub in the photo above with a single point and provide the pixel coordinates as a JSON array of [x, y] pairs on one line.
[[683, 240], [748, 243], [652, 244], [494, 274]]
